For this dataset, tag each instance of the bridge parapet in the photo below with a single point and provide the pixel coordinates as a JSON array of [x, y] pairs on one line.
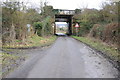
[[64, 12]]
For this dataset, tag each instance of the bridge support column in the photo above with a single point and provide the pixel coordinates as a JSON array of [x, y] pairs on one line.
[[54, 28], [70, 26]]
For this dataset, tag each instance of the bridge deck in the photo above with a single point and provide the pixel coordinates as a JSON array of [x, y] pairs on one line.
[[64, 12], [62, 18]]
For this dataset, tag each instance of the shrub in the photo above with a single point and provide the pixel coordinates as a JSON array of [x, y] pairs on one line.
[[38, 28], [108, 33], [97, 31], [84, 29], [111, 33]]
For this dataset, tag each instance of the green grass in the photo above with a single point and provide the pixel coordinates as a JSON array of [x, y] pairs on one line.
[[41, 41], [33, 41], [99, 45]]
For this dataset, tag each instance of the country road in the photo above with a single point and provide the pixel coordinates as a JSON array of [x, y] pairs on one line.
[[66, 58]]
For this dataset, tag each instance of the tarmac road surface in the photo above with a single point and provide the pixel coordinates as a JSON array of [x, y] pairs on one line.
[[66, 58]]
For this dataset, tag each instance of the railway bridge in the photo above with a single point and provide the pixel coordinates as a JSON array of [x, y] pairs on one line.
[[64, 16]]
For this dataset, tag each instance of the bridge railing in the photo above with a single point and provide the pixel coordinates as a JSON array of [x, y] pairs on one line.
[[67, 12]]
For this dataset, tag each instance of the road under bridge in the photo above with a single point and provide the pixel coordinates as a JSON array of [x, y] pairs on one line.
[[65, 16]]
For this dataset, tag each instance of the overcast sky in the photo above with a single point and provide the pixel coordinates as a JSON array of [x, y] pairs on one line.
[[71, 4]]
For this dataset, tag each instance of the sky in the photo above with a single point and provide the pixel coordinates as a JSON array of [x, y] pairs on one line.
[[70, 4], [61, 24], [73, 4]]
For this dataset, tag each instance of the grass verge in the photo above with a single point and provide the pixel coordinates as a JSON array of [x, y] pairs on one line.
[[109, 51], [34, 41]]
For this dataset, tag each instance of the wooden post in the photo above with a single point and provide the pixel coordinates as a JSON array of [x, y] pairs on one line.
[[76, 31]]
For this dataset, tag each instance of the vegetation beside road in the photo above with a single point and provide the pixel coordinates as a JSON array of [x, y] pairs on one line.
[[24, 27], [34, 41], [110, 51], [100, 28], [100, 24], [20, 23]]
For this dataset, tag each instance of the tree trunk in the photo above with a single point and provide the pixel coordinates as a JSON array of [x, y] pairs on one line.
[[12, 33]]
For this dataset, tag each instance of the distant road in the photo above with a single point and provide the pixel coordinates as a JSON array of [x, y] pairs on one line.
[[66, 58]]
